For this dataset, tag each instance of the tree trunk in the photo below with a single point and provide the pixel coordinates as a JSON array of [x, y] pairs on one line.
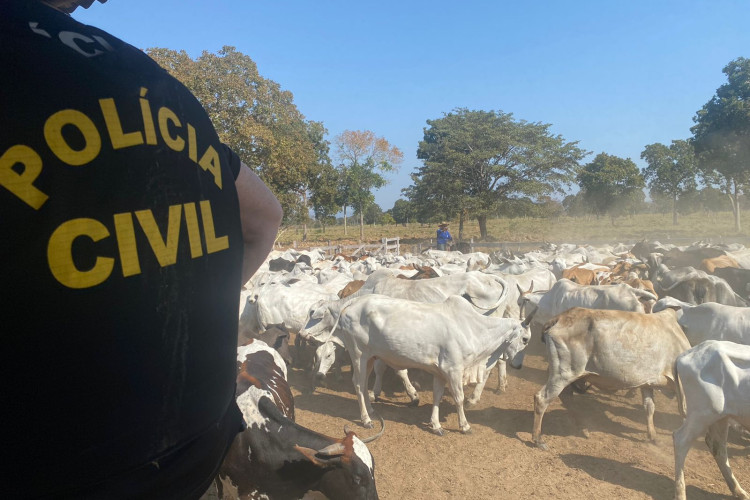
[[461, 225], [735, 199], [674, 210], [344, 209], [361, 225], [307, 211], [482, 219]]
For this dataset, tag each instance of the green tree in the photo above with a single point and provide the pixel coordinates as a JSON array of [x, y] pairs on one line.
[[387, 219], [713, 200], [363, 157], [721, 135], [574, 205], [373, 214], [474, 160], [611, 185], [402, 211], [257, 119], [671, 171]]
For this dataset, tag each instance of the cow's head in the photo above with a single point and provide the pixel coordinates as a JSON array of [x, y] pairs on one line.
[[351, 467], [277, 337], [320, 322], [325, 356], [527, 302], [516, 341]]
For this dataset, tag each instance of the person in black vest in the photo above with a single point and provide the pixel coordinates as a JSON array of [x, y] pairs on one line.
[[128, 229]]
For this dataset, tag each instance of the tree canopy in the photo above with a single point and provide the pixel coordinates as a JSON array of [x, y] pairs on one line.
[[721, 135], [475, 160], [257, 119], [611, 185], [363, 158], [671, 171]]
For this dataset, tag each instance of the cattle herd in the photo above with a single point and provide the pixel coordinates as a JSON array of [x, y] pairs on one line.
[[648, 316]]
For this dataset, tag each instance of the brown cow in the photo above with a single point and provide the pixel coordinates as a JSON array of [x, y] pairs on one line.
[[612, 350], [276, 458], [582, 275], [709, 265], [644, 285], [350, 288]]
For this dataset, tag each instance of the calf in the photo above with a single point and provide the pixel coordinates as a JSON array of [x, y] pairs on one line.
[[715, 378], [276, 458], [330, 355], [612, 350]]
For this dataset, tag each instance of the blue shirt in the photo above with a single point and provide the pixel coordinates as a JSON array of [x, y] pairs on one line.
[[443, 236]]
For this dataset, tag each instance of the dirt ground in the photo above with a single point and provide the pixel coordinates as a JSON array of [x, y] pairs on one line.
[[498, 461]]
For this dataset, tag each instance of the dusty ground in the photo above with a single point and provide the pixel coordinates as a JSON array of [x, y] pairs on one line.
[[497, 459]]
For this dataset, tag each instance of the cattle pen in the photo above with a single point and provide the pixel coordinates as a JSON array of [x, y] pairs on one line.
[[498, 461], [499, 458]]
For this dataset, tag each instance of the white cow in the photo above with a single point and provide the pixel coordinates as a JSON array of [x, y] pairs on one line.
[[715, 378], [443, 339], [280, 304], [565, 295], [710, 320], [485, 291]]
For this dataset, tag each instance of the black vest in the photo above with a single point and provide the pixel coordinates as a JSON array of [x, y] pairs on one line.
[[120, 257]]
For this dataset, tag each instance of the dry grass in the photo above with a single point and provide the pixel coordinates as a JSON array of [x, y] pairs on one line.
[[716, 227]]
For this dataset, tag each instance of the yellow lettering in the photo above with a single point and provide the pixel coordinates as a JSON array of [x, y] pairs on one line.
[[56, 142], [21, 184], [126, 244], [165, 250], [166, 115], [213, 244], [210, 161], [194, 234], [60, 256], [148, 119], [192, 145], [114, 126]]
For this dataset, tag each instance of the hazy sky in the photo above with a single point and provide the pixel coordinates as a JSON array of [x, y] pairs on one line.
[[614, 76]]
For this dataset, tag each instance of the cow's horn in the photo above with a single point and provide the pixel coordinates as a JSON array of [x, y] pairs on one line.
[[380, 433], [311, 455], [527, 321], [336, 448]]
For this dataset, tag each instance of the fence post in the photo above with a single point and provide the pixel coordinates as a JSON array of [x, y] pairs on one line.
[[384, 242], [398, 245], [294, 244], [472, 244]]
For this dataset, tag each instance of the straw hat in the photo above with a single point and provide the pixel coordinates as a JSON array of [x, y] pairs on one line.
[[443, 224]]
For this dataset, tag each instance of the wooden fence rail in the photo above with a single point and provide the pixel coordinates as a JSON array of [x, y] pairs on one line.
[[385, 245]]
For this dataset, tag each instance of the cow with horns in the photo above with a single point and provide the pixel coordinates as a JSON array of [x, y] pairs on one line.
[[276, 458]]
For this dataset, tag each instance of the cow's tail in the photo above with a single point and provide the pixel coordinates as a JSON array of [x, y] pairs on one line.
[[679, 391]]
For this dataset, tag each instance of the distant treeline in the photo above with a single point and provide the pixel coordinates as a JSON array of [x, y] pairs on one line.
[[476, 164]]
